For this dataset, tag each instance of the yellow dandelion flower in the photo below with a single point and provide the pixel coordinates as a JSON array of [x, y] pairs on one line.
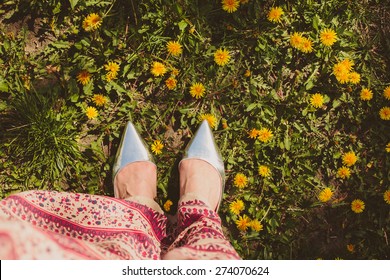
[[243, 223], [111, 76], [197, 90], [158, 69], [221, 57], [386, 93], [247, 73], [174, 48], [256, 225], [317, 100], [328, 37], [348, 64], [157, 147], [253, 133], [84, 77], [240, 180], [341, 73], [91, 113], [349, 158], [339, 69], [230, 6], [342, 69], [343, 77], [354, 78], [265, 135], [236, 206], [86, 24], [357, 206], [388, 147], [171, 83], [296, 40], [112, 67], [386, 196], [275, 14], [211, 119], [344, 172], [264, 171], [306, 45], [366, 94], [351, 248], [384, 113], [92, 22], [99, 100], [95, 21], [325, 195], [167, 205], [175, 72]]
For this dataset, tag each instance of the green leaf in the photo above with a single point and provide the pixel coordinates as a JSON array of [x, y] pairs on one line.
[[73, 3], [3, 86], [117, 87], [261, 44], [182, 25], [98, 3], [3, 105], [61, 44], [251, 107], [336, 103], [287, 142], [309, 85], [88, 88], [316, 22], [57, 8], [6, 45], [74, 98]]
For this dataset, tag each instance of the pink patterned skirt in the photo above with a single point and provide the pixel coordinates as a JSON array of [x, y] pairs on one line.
[[54, 225]]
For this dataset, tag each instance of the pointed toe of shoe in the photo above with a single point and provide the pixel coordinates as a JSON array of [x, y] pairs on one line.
[[131, 149], [202, 146]]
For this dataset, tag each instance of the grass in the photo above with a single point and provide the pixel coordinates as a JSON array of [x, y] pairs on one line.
[[268, 85]]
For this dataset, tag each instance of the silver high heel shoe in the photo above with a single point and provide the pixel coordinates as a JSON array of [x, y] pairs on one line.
[[131, 149], [202, 146]]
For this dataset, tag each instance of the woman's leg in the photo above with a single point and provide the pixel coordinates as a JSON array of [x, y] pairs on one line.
[[200, 231]]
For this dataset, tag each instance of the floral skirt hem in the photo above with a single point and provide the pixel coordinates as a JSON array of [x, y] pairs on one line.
[[54, 225]]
